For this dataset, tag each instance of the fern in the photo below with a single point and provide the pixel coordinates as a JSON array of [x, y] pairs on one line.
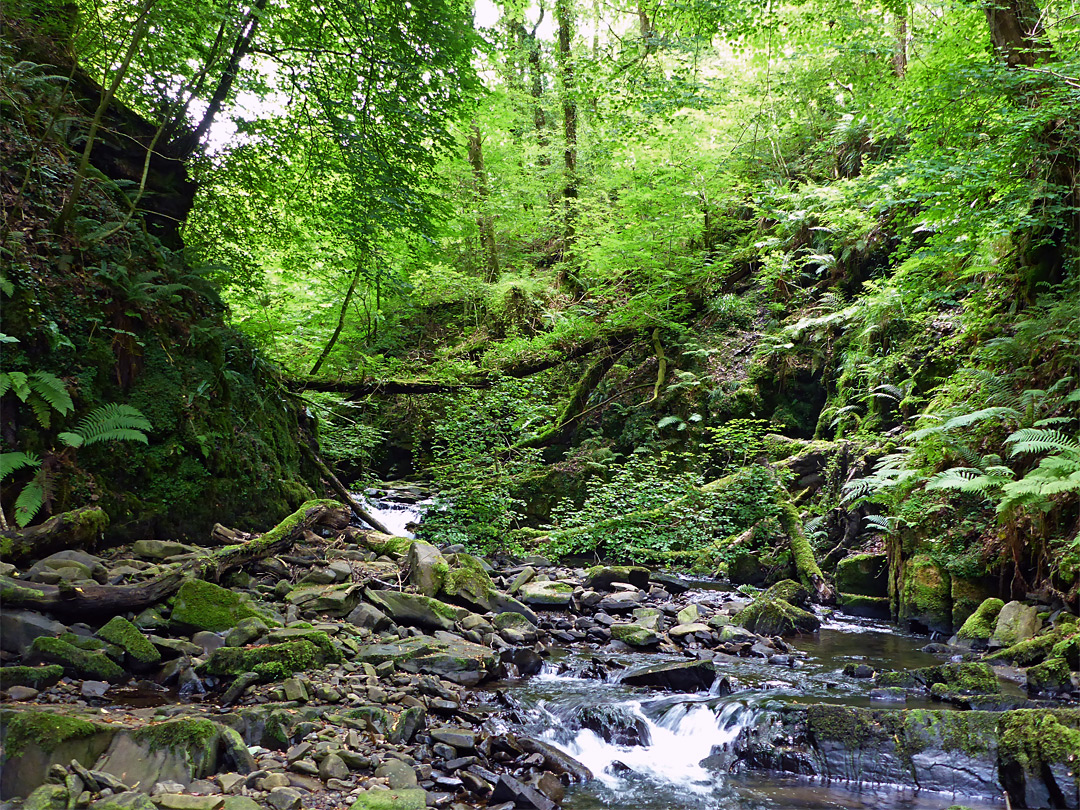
[[880, 523], [13, 462], [113, 422], [1038, 440], [30, 501]]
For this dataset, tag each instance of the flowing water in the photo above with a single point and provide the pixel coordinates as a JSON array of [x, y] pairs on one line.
[[400, 510], [658, 751]]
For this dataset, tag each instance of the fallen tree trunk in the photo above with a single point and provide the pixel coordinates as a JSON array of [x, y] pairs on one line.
[[344, 494], [79, 529], [109, 600], [806, 566]]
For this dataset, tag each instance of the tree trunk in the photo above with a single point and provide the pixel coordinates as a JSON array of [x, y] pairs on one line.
[[78, 529], [81, 601], [183, 147], [1017, 32], [484, 220], [564, 13], [806, 566], [341, 319], [342, 493], [899, 60]]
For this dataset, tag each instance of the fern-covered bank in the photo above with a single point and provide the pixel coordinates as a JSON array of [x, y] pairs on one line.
[[121, 386]]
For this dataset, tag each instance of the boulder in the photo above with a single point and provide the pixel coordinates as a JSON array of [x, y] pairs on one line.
[[161, 549], [19, 628], [469, 582], [416, 610], [863, 575], [634, 634], [650, 618], [427, 568], [77, 663], [770, 616], [374, 799], [969, 678], [683, 676], [925, 598], [173, 751], [683, 630], [979, 626], [690, 614], [139, 652], [35, 740], [602, 577], [455, 660], [515, 628], [203, 605], [1051, 677], [1016, 622], [38, 678], [551, 593], [369, 616]]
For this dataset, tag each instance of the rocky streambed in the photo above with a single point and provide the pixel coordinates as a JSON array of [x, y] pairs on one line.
[[356, 669]]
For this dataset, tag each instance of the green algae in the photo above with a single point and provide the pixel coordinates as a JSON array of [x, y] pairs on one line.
[[124, 634]]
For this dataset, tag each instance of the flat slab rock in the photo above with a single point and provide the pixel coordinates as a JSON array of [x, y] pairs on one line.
[[458, 660]]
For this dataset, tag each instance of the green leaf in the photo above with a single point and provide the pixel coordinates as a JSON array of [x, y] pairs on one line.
[[52, 389], [11, 462], [29, 502]]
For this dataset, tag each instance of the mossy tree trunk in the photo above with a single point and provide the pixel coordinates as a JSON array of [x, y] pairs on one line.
[[77, 529]]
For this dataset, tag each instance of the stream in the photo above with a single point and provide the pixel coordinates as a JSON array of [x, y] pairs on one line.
[[651, 750]]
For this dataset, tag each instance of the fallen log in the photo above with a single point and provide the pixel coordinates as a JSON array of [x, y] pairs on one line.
[[343, 494], [78, 529], [88, 599]]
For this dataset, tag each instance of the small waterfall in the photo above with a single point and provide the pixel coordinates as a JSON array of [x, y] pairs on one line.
[[677, 738], [400, 516]]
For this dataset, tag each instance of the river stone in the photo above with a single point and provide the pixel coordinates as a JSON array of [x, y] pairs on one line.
[[126, 800], [463, 739], [682, 676], [416, 610], [460, 661], [551, 593], [284, 798], [979, 626], [333, 767], [246, 631], [649, 618], [161, 549], [515, 628], [183, 801], [510, 789], [427, 567], [397, 774], [203, 605], [369, 616], [602, 577], [335, 600], [683, 630], [634, 634], [172, 751], [525, 575], [47, 797], [623, 602], [1015, 623], [689, 614], [414, 799], [19, 628]]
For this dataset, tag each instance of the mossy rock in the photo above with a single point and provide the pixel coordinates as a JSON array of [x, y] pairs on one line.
[[602, 577], [863, 575], [408, 799], [969, 678], [745, 568], [77, 663], [1052, 676], [175, 750], [869, 607], [1069, 649], [769, 616], [47, 797], [546, 594], [926, 595], [203, 605], [1015, 623], [968, 595], [634, 634], [1026, 653], [126, 636], [273, 662], [34, 741], [35, 677], [388, 544], [792, 592], [416, 610], [979, 626], [427, 568], [1037, 747]]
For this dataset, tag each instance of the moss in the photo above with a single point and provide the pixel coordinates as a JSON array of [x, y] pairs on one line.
[[790, 591], [840, 723], [467, 578], [76, 663], [1027, 652], [775, 617], [387, 544], [205, 606], [968, 677], [980, 624], [806, 565], [972, 733], [1052, 675], [186, 733], [1034, 739], [634, 635], [409, 799], [862, 574], [84, 642], [47, 730], [270, 661], [124, 634], [926, 595], [37, 677]]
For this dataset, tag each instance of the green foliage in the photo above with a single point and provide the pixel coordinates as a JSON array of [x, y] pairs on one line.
[[115, 422]]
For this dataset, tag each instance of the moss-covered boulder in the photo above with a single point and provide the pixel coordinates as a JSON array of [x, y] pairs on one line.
[[273, 662], [388, 544], [35, 677], [334, 600], [77, 663], [47, 797], [176, 750], [792, 592], [634, 634], [1039, 752], [1069, 649], [970, 678], [869, 607], [203, 605], [771, 616], [967, 595], [415, 610], [550, 593], [979, 626], [139, 652], [925, 598], [34, 741], [863, 574], [515, 628], [1026, 653], [404, 799], [1051, 677], [469, 583]]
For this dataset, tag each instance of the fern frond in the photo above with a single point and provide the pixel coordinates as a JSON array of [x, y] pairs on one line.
[[668, 420], [41, 411], [881, 523], [1054, 420], [966, 419], [113, 422], [1039, 440], [19, 385], [52, 389], [966, 479], [30, 501], [5, 382], [12, 462]]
